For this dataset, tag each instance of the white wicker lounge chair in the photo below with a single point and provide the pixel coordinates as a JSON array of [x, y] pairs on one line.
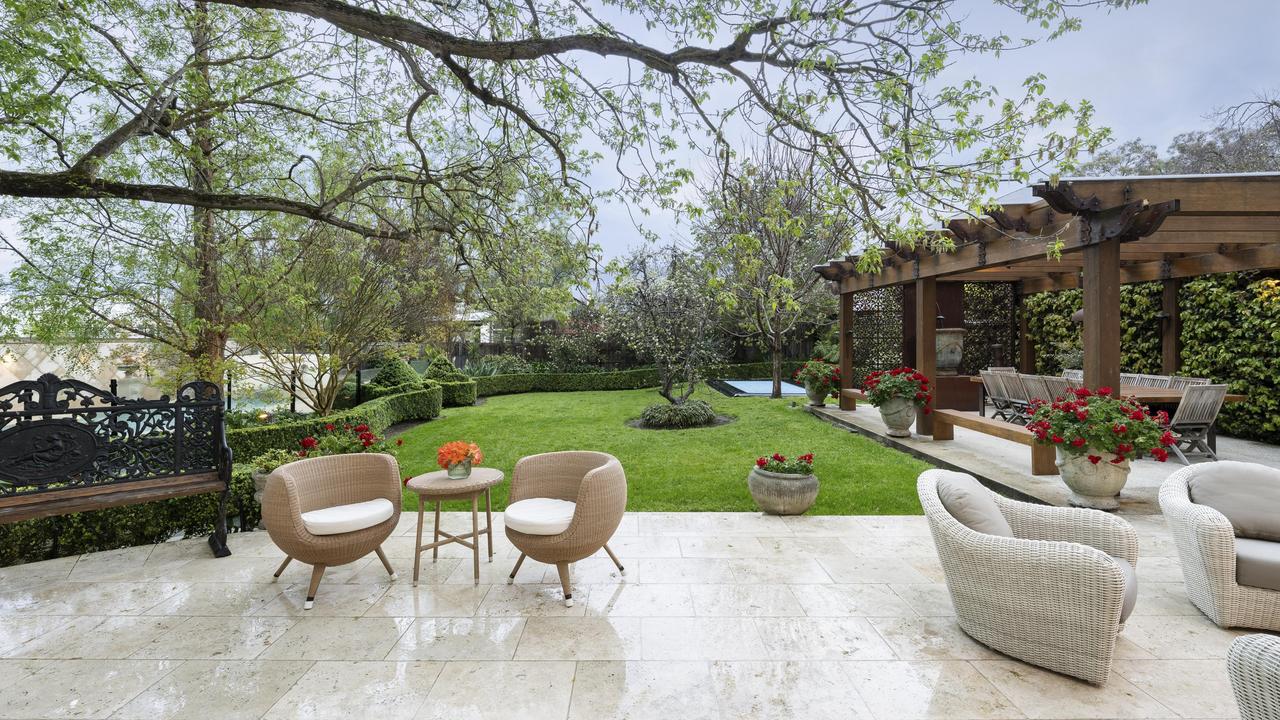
[[1207, 544], [1053, 594], [1253, 662]]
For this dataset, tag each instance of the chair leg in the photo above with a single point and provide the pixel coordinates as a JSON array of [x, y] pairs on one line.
[[317, 572], [563, 569], [516, 569], [385, 563], [614, 558], [280, 569]]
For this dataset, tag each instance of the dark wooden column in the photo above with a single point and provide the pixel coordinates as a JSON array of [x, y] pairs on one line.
[[1102, 314], [1026, 349], [846, 349], [926, 342], [1170, 329]]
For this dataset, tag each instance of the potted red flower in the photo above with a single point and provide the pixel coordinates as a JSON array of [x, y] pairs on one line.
[[898, 393], [819, 378], [782, 485], [1096, 435]]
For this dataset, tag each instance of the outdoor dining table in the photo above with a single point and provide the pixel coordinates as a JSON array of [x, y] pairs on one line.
[[1141, 393]]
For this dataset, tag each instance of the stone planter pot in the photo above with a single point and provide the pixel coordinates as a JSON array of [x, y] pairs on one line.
[[782, 494], [259, 487], [949, 346], [818, 394], [898, 413], [1093, 486]]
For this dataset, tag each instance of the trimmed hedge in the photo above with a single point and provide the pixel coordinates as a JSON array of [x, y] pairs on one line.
[[458, 393], [393, 405], [1230, 333], [618, 380]]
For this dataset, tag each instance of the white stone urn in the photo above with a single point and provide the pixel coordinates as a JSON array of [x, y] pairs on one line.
[[818, 393], [898, 414], [782, 493], [1093, 485], [949, 346]]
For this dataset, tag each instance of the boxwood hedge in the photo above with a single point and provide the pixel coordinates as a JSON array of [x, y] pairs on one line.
[[617, 380]]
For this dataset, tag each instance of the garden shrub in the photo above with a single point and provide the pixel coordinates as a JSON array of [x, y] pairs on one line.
[[458, 393], [689, 414], [616, 380], [500, 364], [394, 371]]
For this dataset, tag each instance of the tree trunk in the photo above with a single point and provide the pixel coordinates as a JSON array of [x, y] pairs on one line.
[[775, 355], [211, 338]]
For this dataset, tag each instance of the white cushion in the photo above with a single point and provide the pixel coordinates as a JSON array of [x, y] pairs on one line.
[[539, 516], [348, 518]]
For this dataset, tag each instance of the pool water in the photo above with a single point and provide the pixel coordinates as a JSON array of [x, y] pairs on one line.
[[739, 388]]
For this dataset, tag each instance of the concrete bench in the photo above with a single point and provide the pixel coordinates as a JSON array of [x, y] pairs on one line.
[[1042, 456]]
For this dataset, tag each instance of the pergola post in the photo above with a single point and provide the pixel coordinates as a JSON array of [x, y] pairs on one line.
[[926, 343], [1170, 328], [1026, 349], [1102, 314], [846, 350]]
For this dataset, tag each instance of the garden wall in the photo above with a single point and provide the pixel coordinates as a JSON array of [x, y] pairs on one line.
[[1230, 333], [616, 380]]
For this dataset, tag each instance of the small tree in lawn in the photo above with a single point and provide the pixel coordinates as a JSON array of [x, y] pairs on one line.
[[662, 305]]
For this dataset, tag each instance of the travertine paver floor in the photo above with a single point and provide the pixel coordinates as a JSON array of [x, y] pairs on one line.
[[720, 615]]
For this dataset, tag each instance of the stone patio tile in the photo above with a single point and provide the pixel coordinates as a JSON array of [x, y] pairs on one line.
[[332, 600], [930, 638], [822, 639], [630, 548], [1191, 688], [900, 546], [701, 639], [404, 600], [590, 571], [849, 569], [824, 525], [1164, 599], [529, 691], [446, 639], [926, 599], [580, 638], [36, 573], [216, 638], [1043, 694], [225, 689], [642, 691], [854, 600], [914, 690], [80, 688], [67, 598], [684, 570], [1179, 637], [321, 638], [17, 629], [778, 570], [758, 600], [786, 690], [345, 690], [97, 636], [529, 601], [121, 565], [219, 599], [1159, 570], [639, 600], [802, 546], [729, 546], [881, 525], [16, 670]]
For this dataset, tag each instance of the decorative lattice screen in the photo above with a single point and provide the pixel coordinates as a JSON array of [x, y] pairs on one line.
[[877, 331], [991, 317]]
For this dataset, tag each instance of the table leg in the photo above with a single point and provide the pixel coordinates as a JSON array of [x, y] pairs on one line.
[[475, 536], [982, 400], [488, 519], [435, 551], [417, 547]]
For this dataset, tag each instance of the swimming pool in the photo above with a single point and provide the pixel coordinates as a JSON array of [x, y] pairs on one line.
[[754, 388]]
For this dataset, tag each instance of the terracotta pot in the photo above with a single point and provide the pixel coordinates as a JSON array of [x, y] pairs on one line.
[[1093, 486], [782, 493], [818, 393], [898, 413], [949, 348], [460, 470]]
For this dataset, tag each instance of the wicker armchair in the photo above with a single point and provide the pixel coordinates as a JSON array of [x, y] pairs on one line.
[[1254, 666], [1051, 595], [314, 484], [1206, 544], [596, 485]]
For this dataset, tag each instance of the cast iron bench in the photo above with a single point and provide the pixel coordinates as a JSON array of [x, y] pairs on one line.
[[66, 446]]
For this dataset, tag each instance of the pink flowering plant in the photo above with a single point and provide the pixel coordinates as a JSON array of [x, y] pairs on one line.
[[1091, 422], [779, 463]]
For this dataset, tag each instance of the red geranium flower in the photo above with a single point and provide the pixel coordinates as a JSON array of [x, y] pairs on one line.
[[330, 427], [1078, 442], [761, 462], [1104, 390], [308, 443], [1095, 459]]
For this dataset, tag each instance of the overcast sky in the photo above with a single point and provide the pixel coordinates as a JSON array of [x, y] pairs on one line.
[[1152, 72]]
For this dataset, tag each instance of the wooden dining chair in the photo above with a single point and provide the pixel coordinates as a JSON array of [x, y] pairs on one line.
[[1155, 381], [1000, 404], [1035, 388], [1194, 419], [1017, 395], [1182, 382], [1058, 387], [1074, 375]]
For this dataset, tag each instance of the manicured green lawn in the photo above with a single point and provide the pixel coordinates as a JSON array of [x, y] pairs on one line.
[[700, 469]]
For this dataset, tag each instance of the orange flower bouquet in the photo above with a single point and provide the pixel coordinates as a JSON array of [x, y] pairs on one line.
[[457, 457]]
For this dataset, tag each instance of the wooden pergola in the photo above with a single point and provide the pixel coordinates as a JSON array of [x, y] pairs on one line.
[[1112, 230]]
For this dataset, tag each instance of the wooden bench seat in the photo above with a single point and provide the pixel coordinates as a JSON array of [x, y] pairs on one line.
[[1042, 456]]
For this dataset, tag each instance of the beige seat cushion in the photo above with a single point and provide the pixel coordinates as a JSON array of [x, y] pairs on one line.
[[1130, 587], [539, 516], [348, 518], [971, 503], [1246, 493], [1258, 563]]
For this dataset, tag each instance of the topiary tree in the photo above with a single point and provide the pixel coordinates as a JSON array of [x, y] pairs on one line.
[[394, 371]]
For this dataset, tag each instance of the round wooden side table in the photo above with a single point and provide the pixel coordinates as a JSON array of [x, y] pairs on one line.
[[438, 487]]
